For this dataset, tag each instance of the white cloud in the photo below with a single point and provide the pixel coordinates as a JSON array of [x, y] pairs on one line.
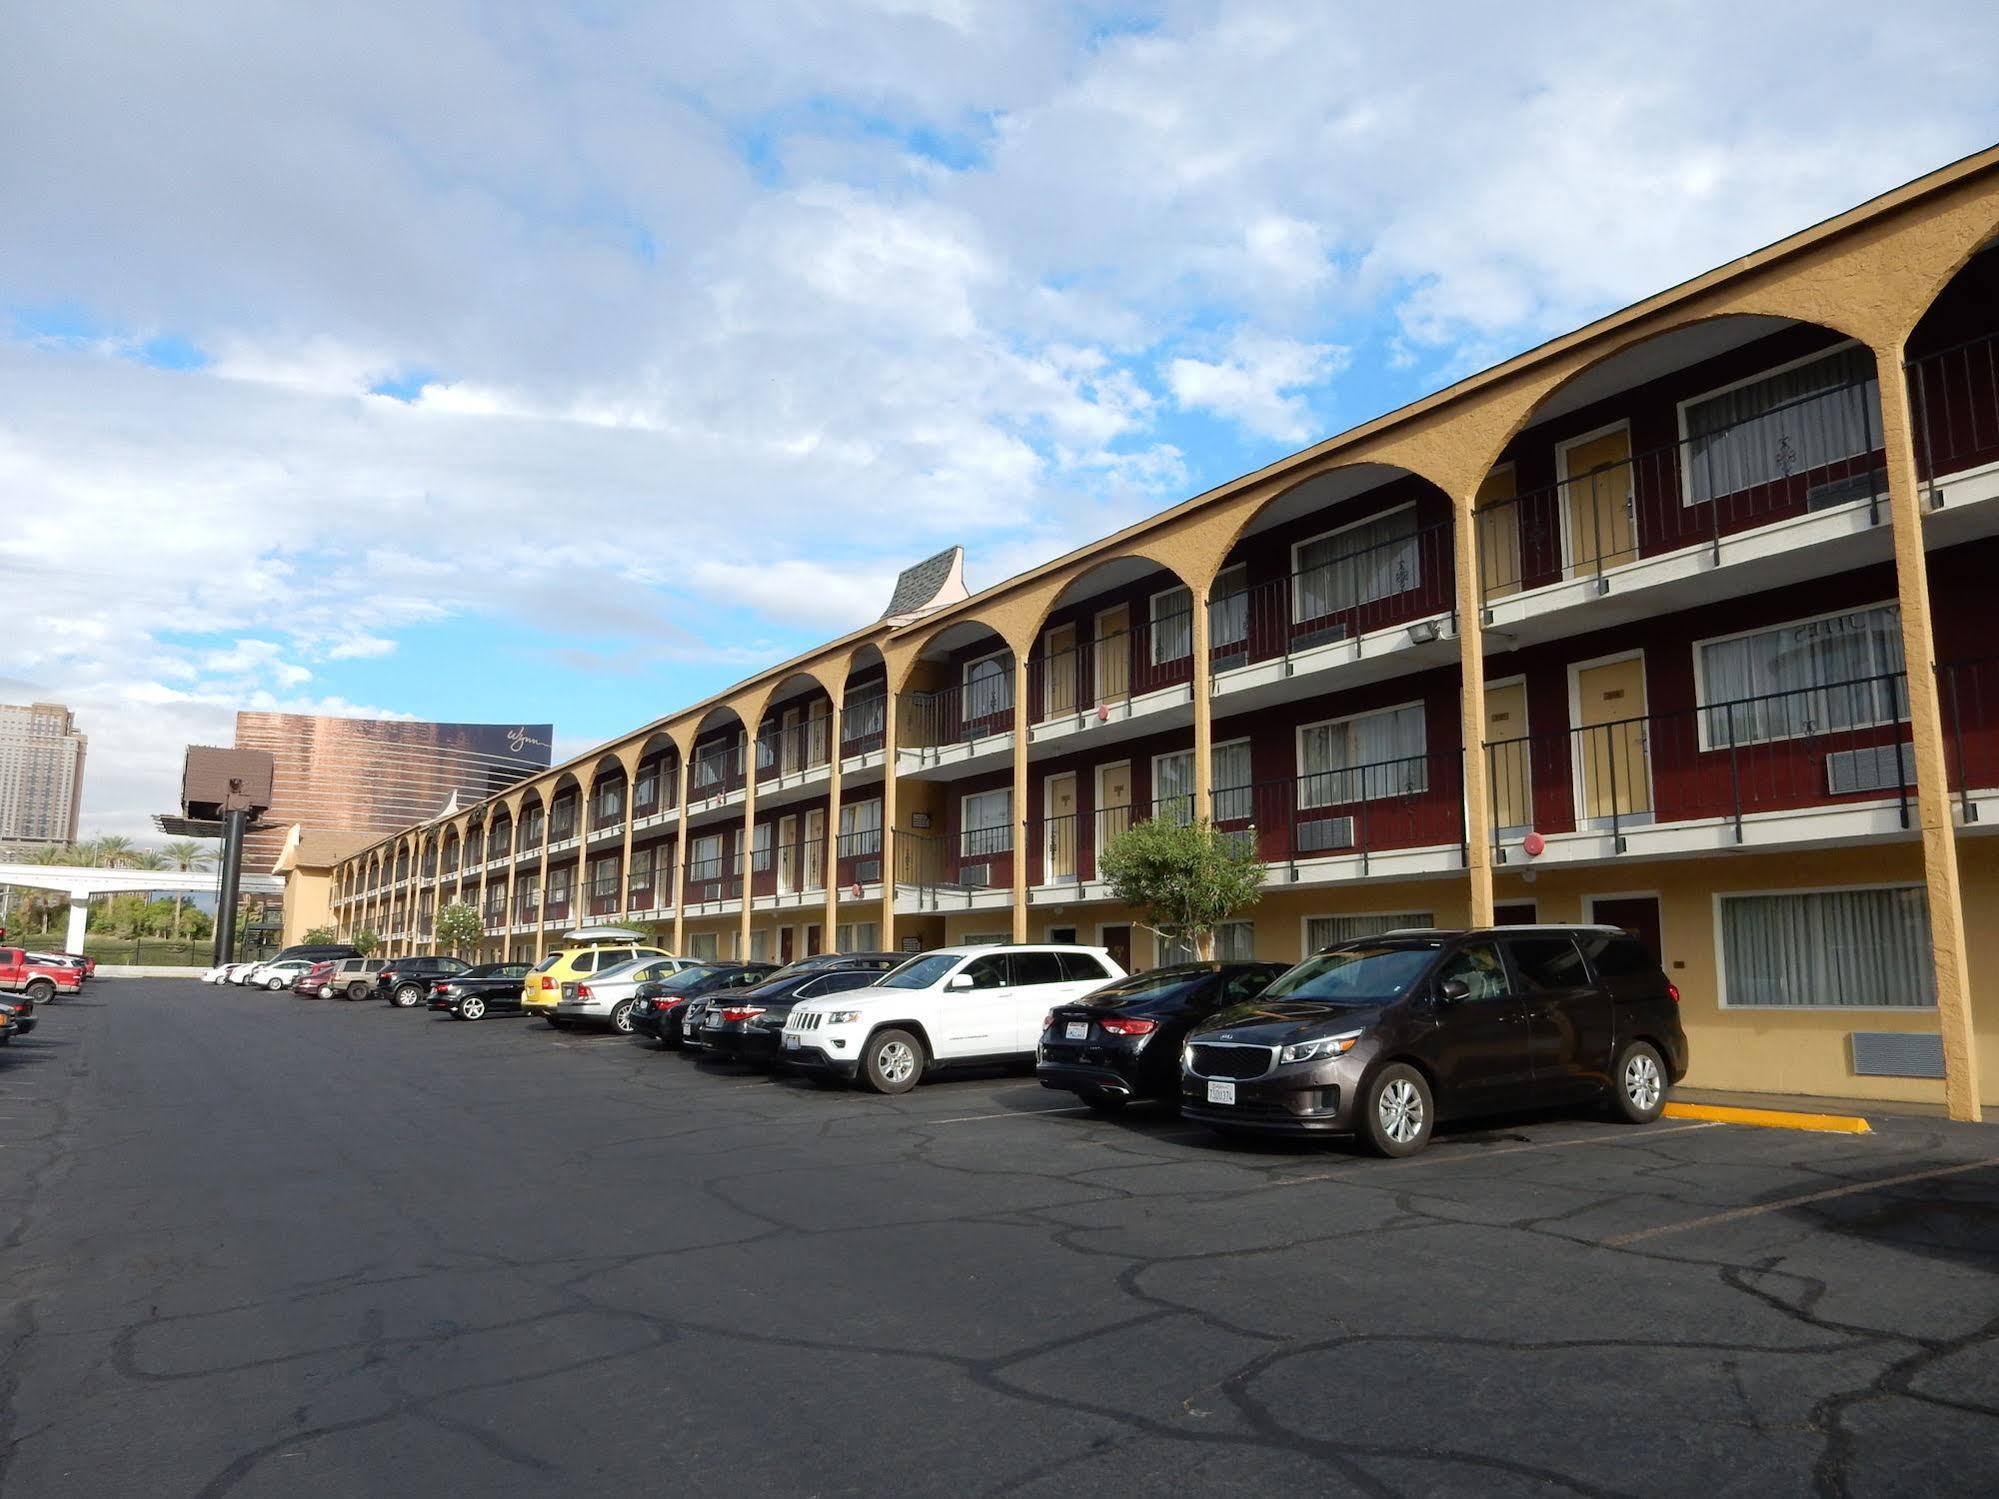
[[1255, 382]]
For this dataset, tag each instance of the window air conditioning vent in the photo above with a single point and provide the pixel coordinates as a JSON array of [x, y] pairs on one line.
[[1323, 834], [1873, 769], [1897, 1054], [974, 876], [1844, 491]]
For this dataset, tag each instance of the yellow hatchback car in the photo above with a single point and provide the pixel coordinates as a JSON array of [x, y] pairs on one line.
[[583, 953]]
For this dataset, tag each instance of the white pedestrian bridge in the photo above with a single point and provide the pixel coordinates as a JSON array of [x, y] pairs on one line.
[[82, 881]]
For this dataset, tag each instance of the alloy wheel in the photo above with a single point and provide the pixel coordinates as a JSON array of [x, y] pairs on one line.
[[1401, 1111], [1642, 1083], [471, 1009], [896, 1062]]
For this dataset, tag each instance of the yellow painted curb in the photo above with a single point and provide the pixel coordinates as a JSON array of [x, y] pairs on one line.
[[1830, 1124]]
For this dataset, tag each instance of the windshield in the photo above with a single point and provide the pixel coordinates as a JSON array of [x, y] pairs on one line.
[[547, 963], [687, 978], [920, 972], [1147, 985], [1368, 975]]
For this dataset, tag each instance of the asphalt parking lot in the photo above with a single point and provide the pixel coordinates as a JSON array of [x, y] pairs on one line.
[[263, 1246]]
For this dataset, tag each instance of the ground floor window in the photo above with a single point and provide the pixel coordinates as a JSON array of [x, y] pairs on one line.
[[759, 946], [859, 936], [701, 945], [1819, 949], [1235, 942], [1321, 931]]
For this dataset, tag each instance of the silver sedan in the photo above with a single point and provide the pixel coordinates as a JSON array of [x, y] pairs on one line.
[[606, 997]]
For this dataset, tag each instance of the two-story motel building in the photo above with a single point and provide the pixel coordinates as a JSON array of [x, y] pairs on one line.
[[1688, 621]]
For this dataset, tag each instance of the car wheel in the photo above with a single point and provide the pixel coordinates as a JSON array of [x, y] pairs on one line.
[[274, 985], [357, 991], [407, 995], [1638, 1084], [326, 991], [41, 991], [892, 1062], [1397, 1111], [621, 1019], [1103, 1100], [472, 1008]]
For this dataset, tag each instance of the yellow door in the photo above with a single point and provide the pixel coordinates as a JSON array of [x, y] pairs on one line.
[[1615, 768], [1113, 802], [1113, 655], [1058, 672], [787, 855], [1598, 496], [1506, 732], [1499, 562], [1058, 805], [814, 851]]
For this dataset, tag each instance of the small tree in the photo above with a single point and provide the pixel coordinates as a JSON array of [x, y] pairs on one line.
[[459, 927], [1185, 879], [319, 936], [365, 942]]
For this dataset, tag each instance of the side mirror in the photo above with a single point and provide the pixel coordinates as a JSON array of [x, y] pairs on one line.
[[958, 981], [1452, 991]]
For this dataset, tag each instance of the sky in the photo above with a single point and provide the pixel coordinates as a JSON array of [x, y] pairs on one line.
[[568, 363]]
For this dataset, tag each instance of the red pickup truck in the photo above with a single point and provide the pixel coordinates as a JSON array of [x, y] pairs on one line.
[[40, 981]]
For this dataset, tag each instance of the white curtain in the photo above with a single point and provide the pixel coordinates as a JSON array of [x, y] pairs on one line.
[[860, 828], [988, 825], [1363, 759], [1228, 610], [864, 717], [1323, 931], [1173, 788], [1830, 674], [1234, 801], [1784, 424], [1828, 948], [988, 688], [1375, 560], [1172, 626]]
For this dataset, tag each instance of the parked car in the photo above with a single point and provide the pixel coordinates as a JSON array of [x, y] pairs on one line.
[[239, 973], [747, 1026], [84, 966], [606, 996], [22, 973], [482, 990], [1383, 1036], [585, 951], [1123, 1041], [17, 1015], [952, 1007], [277, 974], [352, 978], [309, 983], [694, 1014], [316, 951], [405, 982], [660, 1004]]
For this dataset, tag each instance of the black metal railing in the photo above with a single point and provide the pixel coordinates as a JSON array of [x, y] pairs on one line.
[[787, 751], [961, 714], [1955, 395], [1148, 656], [1412, 801], [864, 723]]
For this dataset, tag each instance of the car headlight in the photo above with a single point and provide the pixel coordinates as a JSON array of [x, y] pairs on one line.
[[842, 1017], [1321, 1049]]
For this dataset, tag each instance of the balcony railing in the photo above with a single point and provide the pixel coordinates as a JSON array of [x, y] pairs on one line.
[[653, 791], [795, 868], [1808, 747], [1955, 393], [860, 856], [1413, 801], [957, 715], [715, 772], [792, 751], [1351, 594], [1682, 494], [604, 897], [1147, 657], [527, 907], [1969, 695], [863, 724], [557, 908], [608, 811], [710, 880]]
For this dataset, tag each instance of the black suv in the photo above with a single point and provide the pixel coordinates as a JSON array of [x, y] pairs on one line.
[[406, 982], [1383, 1036]]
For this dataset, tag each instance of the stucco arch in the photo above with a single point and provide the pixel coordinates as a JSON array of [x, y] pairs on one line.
[[902, 655]]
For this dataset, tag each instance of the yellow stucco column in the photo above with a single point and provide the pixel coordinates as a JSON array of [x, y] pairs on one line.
[[1204, 722], [1933, 811], [891, 855], [625, 859], [749, 849], [678, 888], [830, 923], [541, 887], [1471, 707], [1020, 825], [482, 887]]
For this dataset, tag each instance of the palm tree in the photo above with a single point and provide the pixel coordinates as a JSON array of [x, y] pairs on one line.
[[112, 851], [185, 854]]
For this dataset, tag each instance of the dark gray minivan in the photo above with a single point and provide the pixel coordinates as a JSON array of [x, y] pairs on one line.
[[1381, 1037]]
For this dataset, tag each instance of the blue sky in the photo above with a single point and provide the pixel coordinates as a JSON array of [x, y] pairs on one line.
[[568, 364]]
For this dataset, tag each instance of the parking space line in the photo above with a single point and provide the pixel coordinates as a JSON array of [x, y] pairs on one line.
[[1432, 1158], [1003, 1114], [1733, 1215]]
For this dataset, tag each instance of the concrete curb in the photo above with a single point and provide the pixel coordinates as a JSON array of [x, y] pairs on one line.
[[1831, 1124]]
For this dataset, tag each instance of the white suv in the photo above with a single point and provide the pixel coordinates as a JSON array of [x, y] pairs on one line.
[[944, 1008]]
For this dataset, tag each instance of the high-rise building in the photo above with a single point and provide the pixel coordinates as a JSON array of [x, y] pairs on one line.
[[41, 773], [376, 775]]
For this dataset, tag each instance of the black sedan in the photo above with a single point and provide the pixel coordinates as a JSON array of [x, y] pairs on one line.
[[488, 989], [17, 1016], [1123, 1041], [746, 1027], [660, 1005]]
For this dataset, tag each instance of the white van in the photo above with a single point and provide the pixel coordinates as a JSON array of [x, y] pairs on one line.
[[950, 1007]]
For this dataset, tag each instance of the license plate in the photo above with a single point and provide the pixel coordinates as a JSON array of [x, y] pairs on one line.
[[1077, 1030], [1221, 1092], [791, 1043]]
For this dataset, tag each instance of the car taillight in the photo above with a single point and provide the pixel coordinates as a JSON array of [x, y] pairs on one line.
[[582, 991], [1673, 992], [1129, 1027], [547, 982], [1048, 1021], [668, 1004], [742, 1012], [439, 987]]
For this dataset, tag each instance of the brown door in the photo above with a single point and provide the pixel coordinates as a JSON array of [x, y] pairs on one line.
[[1506, 733], [1112, 659], [1514, 913], [1058, 840], [1637, 914], [785, 951], [1598, 498], [813, 852], [1058, 672], [1500, 566], [1117, 940], [1113, 802], [1614, 769], [812, 939]]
